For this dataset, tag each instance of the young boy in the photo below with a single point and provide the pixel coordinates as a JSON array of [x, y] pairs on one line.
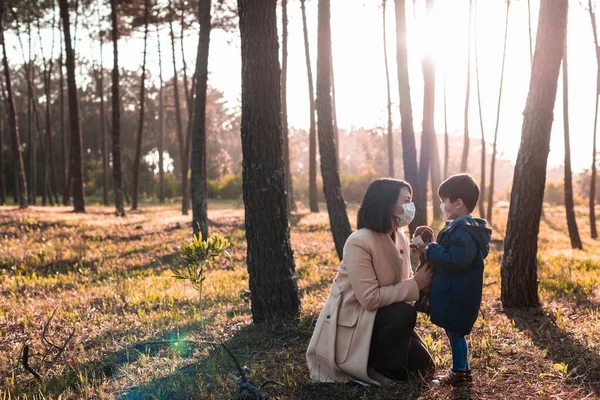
[[457, 283]]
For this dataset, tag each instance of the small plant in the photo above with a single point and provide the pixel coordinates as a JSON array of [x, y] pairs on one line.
[[196, 256]]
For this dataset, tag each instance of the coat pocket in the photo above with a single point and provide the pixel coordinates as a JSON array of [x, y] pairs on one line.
[[346, 326], [322, 347]]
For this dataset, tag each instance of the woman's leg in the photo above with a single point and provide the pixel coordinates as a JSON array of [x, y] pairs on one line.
[[395, 351]]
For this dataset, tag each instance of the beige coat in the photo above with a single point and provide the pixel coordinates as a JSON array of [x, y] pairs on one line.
[[374, 273]]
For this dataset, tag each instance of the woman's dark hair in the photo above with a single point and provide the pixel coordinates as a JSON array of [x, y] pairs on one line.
[[375, 211], [460, 186]]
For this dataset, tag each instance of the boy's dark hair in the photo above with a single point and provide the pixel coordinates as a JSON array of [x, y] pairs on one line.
[[460, 186], [375, 210]]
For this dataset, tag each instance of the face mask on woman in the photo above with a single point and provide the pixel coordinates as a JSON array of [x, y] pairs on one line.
[[407, 216]]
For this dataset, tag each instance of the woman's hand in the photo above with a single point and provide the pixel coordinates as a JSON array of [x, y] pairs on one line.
[[423, 275]]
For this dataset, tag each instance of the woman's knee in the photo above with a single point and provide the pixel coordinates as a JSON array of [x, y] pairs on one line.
[[397, 316]]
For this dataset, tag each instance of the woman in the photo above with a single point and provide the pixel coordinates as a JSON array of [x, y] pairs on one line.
[[365, 331]]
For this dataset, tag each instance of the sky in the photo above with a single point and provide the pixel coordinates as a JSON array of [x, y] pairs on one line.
[[358, 61]]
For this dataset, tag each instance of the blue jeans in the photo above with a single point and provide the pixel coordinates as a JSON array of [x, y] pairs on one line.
[[460, 351]]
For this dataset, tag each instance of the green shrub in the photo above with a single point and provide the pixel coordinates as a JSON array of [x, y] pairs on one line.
[[229, 187]]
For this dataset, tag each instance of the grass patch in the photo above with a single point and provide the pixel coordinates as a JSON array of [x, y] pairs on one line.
[[111, 278]]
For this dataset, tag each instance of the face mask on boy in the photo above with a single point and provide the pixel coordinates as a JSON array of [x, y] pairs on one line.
[[409, 214], [447, 213]]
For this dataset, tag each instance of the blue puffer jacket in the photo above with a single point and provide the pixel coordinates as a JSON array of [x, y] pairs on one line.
[[457, 283]]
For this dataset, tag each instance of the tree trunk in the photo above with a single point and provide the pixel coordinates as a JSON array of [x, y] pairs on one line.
[[436, 178], [336, 206], [289, 184], [312, 136], [529, 31], [47, 75], [198, 159], [270, 258], [428, 133], [592, 202], [116, 115], [31, 146], [182, 148], [32, 156], [2, 171], [63, 128], [519, 264], [33, 115], [409, 149], [188, 96], [336, 132], [569, 203], [390, 132], [76, 162], [40, 137], [446, 138], [105, 164], [189, 101], [13, 123], [161, 134], [464, 164], [482, 184], [490, 204], [138, 146]]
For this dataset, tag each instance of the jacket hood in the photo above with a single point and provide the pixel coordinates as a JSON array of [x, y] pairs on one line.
[[479, 231]]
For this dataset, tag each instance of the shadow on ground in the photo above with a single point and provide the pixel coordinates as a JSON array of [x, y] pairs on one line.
[[561, 346]]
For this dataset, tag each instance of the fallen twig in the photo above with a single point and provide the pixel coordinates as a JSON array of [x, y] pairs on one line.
[[25, 358]]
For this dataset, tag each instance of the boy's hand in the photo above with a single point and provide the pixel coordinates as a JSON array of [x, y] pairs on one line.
[[425, 234]]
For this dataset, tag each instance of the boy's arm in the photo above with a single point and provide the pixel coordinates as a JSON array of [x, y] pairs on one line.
[[459, 254]]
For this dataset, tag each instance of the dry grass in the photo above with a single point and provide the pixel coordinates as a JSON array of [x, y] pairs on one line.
[[112, 281]]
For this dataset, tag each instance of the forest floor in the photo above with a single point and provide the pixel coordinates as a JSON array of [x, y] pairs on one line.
[[111, 280]]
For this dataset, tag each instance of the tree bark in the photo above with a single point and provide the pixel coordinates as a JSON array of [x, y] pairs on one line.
[[390, 132], [490, 204], [32, 147], [104, 139], [529, 31], [336, 206], [482, 184], [13, 124], [446, 138], [40, 138], [33, 115], [198, 159], [138, 145], [336, 132], [436, 175], [289, 184], [182, 147], [161, 134], [116, 115], [63, 128], [76, 160], [189, 101], [569, 203], [186, 89], [428, 133], [519, 264], [270, 259], [409, 149], [592, 200], [464, 164], [3, 198], [47, 75], [312, 135]]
